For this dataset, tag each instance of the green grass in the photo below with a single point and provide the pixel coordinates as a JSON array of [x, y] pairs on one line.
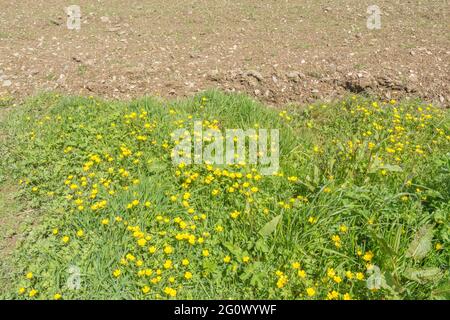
[[362, 185]]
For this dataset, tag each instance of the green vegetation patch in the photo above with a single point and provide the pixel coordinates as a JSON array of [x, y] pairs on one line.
[[359, 208]]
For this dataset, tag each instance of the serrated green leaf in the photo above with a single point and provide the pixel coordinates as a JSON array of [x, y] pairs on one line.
[[423, 275], [421, 243]]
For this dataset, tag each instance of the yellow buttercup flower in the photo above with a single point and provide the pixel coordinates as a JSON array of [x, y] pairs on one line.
[[168, 250], [368, 256], [168, 264], [117, 273], [235, 214], [170, 291], [311, 292], [332, 295], [32, 293], [145, 289], [301, 274]]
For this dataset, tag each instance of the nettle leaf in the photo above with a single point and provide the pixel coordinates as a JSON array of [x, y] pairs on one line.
[[270, 226], [423, 275], [421, 243]]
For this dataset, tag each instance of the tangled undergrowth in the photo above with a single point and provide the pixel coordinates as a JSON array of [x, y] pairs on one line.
[[359, 209]]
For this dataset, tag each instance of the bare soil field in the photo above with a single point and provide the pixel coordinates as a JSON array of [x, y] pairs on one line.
[[277, 51]]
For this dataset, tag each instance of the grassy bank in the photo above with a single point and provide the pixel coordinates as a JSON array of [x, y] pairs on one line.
[[358, 210]]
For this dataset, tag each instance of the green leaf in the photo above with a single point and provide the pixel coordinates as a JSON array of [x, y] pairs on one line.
[[250, 271], [156, 166], [423, 275], [257, 280], [442, 291], [392, 168], [392, 282], [235, 250], [421, 243], [261, 245], [316, 175], [209, 266], [376, 165], [270, 226], [385, 247]]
